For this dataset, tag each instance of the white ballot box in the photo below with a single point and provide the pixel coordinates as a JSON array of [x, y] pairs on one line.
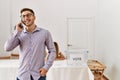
[[77, 57]]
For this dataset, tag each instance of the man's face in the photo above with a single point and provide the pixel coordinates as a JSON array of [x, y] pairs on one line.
[[27, 18]]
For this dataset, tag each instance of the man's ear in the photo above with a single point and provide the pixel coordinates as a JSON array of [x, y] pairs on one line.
[[34, 17]]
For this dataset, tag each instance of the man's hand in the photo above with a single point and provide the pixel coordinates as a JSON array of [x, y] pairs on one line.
[[43, 71], [18, 26]]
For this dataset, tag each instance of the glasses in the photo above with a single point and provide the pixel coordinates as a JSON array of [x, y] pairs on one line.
[[27, 15]]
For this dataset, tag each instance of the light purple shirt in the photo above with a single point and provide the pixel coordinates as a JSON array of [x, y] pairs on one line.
[[32, 51]]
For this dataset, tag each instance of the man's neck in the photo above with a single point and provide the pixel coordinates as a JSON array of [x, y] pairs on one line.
[[31, 28]]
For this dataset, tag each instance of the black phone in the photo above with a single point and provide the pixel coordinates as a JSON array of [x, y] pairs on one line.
[[21, 26]]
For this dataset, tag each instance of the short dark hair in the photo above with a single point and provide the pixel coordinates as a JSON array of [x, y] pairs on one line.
[[27, 9]]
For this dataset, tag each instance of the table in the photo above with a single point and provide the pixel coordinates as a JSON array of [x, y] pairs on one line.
[[59, 71], [8, 69]]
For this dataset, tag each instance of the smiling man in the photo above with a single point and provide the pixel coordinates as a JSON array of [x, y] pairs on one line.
[[32, 42]]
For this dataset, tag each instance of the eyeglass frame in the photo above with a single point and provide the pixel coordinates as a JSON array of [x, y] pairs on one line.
[[27, 15]]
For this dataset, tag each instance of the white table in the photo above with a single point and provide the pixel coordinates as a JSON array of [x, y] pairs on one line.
[[8, 69], [59, 71]]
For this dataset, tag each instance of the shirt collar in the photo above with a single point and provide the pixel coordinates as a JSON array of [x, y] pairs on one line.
[[35, 30]]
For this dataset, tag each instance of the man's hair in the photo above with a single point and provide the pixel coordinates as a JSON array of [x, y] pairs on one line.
[[27, 9]]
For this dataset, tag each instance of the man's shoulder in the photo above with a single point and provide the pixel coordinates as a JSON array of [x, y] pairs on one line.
[[43, 29]]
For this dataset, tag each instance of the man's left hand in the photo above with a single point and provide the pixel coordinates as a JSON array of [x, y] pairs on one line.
[[43, 71]]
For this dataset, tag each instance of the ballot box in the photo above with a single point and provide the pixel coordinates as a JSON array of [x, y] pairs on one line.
[[77, 57]]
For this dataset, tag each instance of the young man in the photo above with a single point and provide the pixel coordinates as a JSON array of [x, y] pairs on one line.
[[32, 42]]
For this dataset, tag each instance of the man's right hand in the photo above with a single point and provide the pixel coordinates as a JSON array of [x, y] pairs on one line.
[[18, 27]]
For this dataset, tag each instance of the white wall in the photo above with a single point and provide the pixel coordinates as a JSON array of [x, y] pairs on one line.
[[4, 23], [108, 36]]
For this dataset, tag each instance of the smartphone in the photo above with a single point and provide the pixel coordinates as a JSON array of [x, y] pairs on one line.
[[21, 25]]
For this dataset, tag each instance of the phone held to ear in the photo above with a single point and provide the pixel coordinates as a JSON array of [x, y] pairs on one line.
[[21, 26]]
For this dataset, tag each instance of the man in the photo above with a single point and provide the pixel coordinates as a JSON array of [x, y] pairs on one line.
[[32, 42]]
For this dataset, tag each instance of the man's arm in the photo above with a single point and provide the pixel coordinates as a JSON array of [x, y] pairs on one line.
[[51, 51], [51, 54], [13, 41]]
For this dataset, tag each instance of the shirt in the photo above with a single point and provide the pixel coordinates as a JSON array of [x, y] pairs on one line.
[[32, 51]]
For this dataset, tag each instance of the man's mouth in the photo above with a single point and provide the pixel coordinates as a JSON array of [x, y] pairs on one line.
[[27, 22]]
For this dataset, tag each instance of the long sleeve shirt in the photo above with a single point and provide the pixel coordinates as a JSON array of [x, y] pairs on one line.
[[32, 51]]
